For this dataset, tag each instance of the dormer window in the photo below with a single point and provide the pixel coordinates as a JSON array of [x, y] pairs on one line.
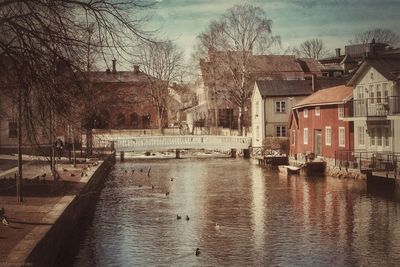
[[317, 111]]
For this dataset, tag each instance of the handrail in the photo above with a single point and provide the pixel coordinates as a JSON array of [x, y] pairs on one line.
[[130, 143]]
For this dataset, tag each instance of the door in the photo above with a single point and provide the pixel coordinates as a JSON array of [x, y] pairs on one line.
[[318, 142]]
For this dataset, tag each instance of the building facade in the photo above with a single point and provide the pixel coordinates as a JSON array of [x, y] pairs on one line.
[[317, 125], [272, 101], [376, 106]]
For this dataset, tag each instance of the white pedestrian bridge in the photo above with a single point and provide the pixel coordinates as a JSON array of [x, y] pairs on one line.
[[166, 142]]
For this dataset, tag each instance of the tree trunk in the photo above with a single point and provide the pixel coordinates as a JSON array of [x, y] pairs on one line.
[[240, 120], [159, 121], [19, 178], [216, 107]]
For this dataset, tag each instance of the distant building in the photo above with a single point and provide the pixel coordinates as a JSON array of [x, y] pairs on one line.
[[354, 55], [215, 81], [316, 124], [124, 100]]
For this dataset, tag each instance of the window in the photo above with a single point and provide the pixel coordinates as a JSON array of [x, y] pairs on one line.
[[146, 121], [378, 93], [281, 131], [372, 137], [341, 111], [120, 120], [371, 94], [341, 136], [328, 135], [360, 92], [361, 140], [317, 111], [305, 136], [280, 106], [12, 129], [305, 112], [293, 137], [385, 92], [386, 132], [134, 120], [379, 136], [257, 105]]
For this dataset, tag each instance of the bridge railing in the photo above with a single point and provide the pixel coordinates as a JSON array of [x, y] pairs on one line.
[[127, 143]]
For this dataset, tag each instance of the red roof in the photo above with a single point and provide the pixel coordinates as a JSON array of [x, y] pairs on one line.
[[328, 96]]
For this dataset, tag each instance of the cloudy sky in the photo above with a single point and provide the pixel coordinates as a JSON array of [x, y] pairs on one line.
[[334, 21]]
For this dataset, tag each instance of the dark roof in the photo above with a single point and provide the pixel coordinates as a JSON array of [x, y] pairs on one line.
[[389, 68], [259, 67], [270, 88], [119, 76], [348, 59], [284, 87], [310, 65], [332, 95]]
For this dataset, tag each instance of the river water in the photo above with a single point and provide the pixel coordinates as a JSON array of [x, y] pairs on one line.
[[264, 218]]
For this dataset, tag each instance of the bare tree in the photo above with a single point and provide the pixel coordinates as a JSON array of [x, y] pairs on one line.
[[162, 61], [380, 35], [241, 30], [313, 48], [43, 40]]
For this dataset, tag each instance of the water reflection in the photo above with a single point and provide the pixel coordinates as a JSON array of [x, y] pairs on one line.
[[264, 218]]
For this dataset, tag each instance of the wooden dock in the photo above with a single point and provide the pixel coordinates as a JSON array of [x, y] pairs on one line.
[[273, 160]]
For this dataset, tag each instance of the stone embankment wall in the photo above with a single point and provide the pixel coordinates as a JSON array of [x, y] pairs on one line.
[[335, 171], [58, 238], [345, 173]]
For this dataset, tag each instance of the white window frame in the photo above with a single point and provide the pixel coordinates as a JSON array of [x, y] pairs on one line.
[[378, 94], [305, 136], [386, 135], [305, 113], [360, 94], [280, 127], [342, 137], [317, 111], [328, 135], [379, 137], [340, 111], [279, 108], [372, 140], [361, 136]]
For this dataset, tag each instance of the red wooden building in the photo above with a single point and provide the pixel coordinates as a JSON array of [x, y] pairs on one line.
[[316, 124]]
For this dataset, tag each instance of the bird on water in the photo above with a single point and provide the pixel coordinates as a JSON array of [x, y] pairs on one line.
[[187, 218], [197, 251], [178, 217]]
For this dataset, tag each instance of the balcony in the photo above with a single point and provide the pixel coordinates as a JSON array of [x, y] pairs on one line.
[[373, 107]]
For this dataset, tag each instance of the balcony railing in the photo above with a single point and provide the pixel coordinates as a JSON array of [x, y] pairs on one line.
[[373, 107]]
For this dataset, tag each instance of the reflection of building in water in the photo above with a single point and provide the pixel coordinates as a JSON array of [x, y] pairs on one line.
[[258, 206]]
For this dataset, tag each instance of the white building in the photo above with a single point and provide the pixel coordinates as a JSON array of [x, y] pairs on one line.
[[376, 106]]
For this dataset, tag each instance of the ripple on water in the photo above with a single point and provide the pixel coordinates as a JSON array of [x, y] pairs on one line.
[[264, 219]]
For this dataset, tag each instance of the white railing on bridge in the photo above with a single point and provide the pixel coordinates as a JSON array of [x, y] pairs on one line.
[[147, 143]]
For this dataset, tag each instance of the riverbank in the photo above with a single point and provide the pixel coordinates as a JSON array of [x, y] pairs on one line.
[[39, 226], [170, 155]]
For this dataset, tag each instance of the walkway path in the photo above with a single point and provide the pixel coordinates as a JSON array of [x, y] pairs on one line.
[[44, 201]]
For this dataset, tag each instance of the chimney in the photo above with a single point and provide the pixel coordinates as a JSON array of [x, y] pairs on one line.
[[135, 69], [114, 63], [337, 52], [313, 82]]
